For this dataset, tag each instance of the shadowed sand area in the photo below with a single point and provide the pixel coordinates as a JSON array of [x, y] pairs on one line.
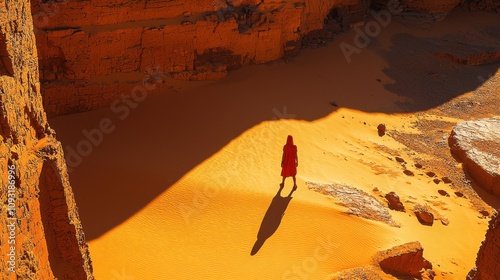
[[185, 186]]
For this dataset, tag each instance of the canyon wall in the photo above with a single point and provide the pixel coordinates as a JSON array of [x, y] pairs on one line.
[[488, 258], [92, 52], [41, 235]]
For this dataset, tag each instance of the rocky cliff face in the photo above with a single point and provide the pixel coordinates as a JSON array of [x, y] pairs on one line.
[[92, 52], [488, 258], [41, 235]]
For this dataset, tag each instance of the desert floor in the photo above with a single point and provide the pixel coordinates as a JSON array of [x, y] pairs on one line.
[[180, 188]]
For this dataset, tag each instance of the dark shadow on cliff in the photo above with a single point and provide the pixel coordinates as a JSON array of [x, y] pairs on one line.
[[167, 135], [485, 196], [272, 219]]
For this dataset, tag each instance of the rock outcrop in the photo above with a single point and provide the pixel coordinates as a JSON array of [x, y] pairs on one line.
[[488, 258], [357, 202], [41, 235], [476, 144], [404, 260]]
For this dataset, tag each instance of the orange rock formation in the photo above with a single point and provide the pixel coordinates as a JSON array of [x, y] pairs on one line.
[[41, 234], [93, 52], [487, 263]]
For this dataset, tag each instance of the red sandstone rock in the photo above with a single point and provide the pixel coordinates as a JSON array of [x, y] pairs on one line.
[[49, 239], [446, 180], [476, 144], [394, 203], [381, 129], [404, 260], [408, 172], [443, 193], [487, 262], [430, 174], [401, 160], [424, 216]]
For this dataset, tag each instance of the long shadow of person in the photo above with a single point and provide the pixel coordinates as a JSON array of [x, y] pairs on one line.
[[272, 219]]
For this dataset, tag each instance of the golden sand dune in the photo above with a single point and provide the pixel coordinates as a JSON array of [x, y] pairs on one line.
[[187, 185]]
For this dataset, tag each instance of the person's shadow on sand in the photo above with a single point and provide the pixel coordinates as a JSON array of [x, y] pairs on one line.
[[272, 219]]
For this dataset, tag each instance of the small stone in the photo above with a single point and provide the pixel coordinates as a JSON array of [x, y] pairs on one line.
[[430, 174], [418, 165], [408, 173], [446, 180], [436, 181], [459, 194], [398, 159], [424, 217], [381, 129], [394, 202], [443, 193], [484, 213]]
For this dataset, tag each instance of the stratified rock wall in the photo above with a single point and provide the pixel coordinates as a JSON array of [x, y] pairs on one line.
[[488, 258], [91, 52], [41, 236]]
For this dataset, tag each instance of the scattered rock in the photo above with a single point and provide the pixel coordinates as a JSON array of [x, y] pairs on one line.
[[418, 165], [445, 222], [408, 172], [381, 129], [334, 104], [484, 213], [459, 194], [436, 181], [476, 144], [443, 193], [398, 159], [404, 260], [446, 180], [394, 202], [430, 174], [425, 217]]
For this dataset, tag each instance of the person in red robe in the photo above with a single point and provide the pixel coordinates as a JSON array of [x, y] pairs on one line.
[[289, 162]]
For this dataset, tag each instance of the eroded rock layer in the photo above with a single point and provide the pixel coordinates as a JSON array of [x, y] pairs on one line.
[[488, 258], [476, 144], [41, 234], [92, 52]]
